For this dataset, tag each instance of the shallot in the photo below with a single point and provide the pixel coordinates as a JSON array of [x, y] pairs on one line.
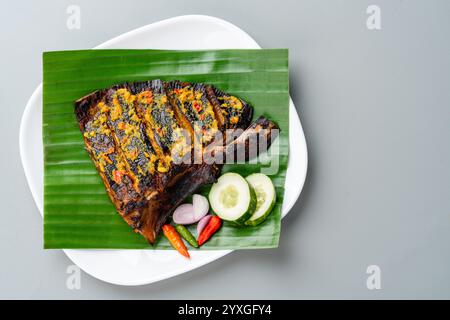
[[201, 206], [184, 214], [202, 223]]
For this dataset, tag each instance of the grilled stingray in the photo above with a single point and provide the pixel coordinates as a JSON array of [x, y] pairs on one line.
[[143, 139]]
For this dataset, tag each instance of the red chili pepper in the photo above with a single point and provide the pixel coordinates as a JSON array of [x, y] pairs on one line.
[[197, 106], [117, 176], [149, 97], [213, 225]]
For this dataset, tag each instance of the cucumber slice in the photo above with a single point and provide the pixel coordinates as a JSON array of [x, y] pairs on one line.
[[232, 198], [265, 197]]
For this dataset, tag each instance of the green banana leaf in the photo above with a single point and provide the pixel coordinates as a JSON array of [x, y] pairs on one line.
[[77, 210]]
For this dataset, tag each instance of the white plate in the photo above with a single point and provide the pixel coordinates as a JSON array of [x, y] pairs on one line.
[[137, 267]]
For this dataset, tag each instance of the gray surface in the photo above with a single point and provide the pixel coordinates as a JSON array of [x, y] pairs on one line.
[[375, 106]]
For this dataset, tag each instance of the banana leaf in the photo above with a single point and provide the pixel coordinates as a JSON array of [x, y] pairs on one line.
[[77, 210]]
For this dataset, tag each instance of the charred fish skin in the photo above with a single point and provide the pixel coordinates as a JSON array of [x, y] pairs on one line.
[[128, 132], [102, 150], [234, 112], [167, 136], [170, 140], [254, 140], [107, 156], [247, 145], [152, 108], [194, 109]]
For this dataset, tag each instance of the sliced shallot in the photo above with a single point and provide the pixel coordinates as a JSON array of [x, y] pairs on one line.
[[201, 206], [202, 223], [184, 214]]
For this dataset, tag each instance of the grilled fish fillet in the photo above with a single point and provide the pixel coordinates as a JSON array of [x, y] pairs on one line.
[[143, 138]]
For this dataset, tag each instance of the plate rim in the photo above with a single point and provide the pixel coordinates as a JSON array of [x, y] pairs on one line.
[[38, 199]]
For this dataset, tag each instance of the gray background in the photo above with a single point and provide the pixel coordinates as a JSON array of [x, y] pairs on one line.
[[375, 106]]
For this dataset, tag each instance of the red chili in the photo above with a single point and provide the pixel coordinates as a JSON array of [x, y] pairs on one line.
[[213, 225], [117, 175]]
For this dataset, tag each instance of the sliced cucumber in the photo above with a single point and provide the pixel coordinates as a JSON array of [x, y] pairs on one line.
[[265, 197], [232, 198]]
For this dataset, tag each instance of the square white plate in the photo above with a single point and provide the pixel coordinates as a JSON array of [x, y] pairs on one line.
[[138, 267]]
